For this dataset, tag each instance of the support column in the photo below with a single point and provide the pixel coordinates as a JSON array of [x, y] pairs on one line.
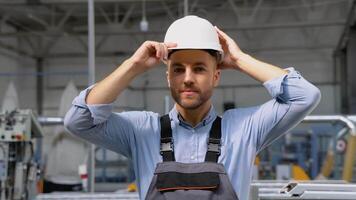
[[91, 81], [39, 85], [351, 70]]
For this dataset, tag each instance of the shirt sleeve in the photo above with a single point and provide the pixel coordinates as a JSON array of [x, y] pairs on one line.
[[99, 125], [293, 99]]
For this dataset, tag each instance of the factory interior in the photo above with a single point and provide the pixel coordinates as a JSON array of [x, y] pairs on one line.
[[51, 50]]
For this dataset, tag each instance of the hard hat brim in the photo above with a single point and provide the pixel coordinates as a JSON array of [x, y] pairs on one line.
[[221, 52]]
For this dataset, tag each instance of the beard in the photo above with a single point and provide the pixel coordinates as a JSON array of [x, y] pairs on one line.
[[191, 103]]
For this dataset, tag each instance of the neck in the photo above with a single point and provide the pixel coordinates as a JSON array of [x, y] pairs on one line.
[[194, 116]]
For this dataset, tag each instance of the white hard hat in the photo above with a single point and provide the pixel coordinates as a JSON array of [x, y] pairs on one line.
[[193, 32]]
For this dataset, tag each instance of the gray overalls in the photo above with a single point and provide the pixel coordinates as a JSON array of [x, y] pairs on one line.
[[190, 181]]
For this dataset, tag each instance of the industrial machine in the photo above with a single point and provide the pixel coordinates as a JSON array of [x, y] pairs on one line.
[[18, 169], [298, 155], [324, 149]]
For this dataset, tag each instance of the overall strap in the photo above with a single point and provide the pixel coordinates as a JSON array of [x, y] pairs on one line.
[[214, 142], [166, 148]]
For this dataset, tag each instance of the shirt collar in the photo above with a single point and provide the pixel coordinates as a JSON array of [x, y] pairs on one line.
[[177, 118]]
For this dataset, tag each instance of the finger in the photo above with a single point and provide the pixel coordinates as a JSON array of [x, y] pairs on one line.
[[162, 47], [170, 44], [158, 50], [152, 48], [222, 34], [222, 39], [165, 57]]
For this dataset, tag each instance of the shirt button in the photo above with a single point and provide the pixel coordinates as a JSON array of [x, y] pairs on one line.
[[192, 157]]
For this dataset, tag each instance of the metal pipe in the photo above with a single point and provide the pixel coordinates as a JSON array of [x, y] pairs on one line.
[[186, 7], [328, 118], [91, 81], [50, 120], [91, 42], [352, 117]]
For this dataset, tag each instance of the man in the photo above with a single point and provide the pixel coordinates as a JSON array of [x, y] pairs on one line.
[[195, 53]]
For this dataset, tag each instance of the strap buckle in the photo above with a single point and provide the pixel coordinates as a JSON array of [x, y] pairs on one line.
[[166, 146], [214, 145]]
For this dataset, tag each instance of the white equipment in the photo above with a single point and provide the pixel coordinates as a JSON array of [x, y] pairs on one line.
[[18, 170]]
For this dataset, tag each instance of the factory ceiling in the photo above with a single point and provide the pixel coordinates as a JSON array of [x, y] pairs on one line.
[[40, 24]]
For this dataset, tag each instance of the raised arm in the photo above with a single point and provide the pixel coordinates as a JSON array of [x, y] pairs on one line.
[[147, 56], [91, 116], [236, 59], [293, 96]]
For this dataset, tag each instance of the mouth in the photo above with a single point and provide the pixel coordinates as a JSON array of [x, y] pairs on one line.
[[188, 92]]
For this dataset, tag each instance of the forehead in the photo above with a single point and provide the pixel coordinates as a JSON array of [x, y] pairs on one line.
[[191, 56]]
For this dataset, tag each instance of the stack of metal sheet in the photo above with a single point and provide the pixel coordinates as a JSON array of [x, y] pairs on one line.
[[304, 190]]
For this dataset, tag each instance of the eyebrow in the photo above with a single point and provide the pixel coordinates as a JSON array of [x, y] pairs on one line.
[[180, 65], [176, 65]]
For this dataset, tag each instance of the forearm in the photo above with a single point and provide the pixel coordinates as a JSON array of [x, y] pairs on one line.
[[293, 99], [107, 90], [258, 70]]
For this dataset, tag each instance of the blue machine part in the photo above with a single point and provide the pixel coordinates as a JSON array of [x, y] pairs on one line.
[[305, 146]]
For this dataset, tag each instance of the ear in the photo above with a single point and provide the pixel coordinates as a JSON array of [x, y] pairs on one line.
[[217, 74]]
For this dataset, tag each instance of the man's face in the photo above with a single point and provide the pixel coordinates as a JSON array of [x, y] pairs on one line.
[[192, 75]]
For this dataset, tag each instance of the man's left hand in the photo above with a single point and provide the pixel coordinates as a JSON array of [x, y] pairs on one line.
[[232, 51]]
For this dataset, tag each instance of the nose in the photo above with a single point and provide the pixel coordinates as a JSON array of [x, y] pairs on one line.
[[188, 77]]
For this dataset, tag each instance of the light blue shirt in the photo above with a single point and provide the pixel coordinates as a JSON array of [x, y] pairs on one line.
[[245, 131]]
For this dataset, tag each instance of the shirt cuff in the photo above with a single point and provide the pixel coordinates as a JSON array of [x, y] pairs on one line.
[[275, 86], [99, 112]]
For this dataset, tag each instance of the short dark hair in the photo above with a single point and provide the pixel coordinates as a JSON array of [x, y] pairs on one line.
[[212, 52]]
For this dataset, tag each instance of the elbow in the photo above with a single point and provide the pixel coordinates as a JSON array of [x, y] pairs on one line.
[[78, 121], [74, 122], [69, 122], [313, 98]]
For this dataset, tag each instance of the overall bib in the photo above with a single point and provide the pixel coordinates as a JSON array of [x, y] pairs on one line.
[[190, 181]]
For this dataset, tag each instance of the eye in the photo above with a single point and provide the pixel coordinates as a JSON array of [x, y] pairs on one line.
[[178, 70], [199, 68]]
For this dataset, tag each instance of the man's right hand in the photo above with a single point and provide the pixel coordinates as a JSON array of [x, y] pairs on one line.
[[149, 55]]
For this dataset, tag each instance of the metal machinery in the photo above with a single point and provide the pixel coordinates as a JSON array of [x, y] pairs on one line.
[[339, 159], [18, 169], [325, 149], [304, 147]]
